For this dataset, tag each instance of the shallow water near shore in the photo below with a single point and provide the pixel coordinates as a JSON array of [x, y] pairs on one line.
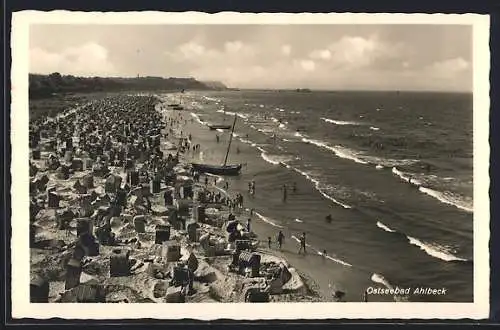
[[351, 156]]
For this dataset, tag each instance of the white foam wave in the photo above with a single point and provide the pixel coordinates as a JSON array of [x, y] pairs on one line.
[[377, 278], [274, 159], [210, 98], [340, 122], [434, 250], [195, 116], [444, 197], [379, 167], [261, 149], [253, 144], [317, 185], [373, 128], [406, 177], [298, 220], [298, 134], [384, 227], [268, 159], [339, 261], [265, 130], [448, 198], [267, 220], [337, 150], [230, 113]]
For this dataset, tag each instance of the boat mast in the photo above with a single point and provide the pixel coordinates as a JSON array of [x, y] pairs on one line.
[[230, 139]]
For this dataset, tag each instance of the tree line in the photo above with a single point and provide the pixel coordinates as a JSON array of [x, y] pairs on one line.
[[41, 86]]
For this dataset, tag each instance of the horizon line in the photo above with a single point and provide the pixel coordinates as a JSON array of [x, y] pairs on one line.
[[264, 88]]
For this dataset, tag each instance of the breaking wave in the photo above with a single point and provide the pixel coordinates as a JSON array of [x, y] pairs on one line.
[[384, 227], [449, 198], [433, 249], [321, 190], [230, 113], [377, 278], [444, 197], [274, 159], [267, 220], [195, 116], [340, 122], [337, 150]]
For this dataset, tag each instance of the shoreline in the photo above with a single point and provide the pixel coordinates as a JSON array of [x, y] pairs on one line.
[[52, 244]]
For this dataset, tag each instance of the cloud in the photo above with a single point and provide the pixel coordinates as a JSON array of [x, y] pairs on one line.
[[307, 65], [354, 52], [200, 55], [90, 59], [191, 50], [233, 46], [450, 67], [324, 54], [286, 50]]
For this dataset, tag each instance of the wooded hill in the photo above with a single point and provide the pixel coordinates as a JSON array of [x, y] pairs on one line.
[[41, 86]]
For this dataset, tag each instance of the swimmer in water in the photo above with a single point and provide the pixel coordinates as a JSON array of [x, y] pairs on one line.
[[328, 218], [285, 193]]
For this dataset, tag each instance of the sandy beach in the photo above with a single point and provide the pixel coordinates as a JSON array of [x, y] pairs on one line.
[[103, 230]]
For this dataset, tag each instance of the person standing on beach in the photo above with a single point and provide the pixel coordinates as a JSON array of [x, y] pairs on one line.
[[285, 193], [302, 243], [226, 185], [206, 181], [240, 200], [269, 241], [280, 239], [248, 224]]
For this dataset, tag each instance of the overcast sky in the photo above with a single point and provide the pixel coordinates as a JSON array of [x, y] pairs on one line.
[[335, 57]]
